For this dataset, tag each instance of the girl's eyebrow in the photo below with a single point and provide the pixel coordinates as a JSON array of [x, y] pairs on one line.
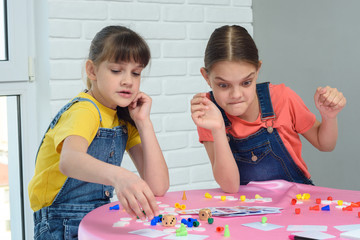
[[248, 76]]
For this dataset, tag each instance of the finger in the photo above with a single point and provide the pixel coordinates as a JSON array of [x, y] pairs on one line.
[[152, 201], [143, 202], [200, 107], [135, 207], [125, 205]]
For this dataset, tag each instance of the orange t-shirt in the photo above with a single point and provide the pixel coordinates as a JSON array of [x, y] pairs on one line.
[[292, 118]]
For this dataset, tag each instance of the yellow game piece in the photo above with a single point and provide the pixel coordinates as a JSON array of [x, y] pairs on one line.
[[207, 195], [305, 196], [223, 198], [257, 196], [177, 205], [298, 196], [243, 198], [183, 207], [340, 202]]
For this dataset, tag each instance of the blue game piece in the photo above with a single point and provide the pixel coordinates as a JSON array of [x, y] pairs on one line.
[[325, 208], [115, 207]]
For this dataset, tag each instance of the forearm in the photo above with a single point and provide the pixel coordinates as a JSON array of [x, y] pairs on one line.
[[224, 166], [84, 167], [154, 170], [327, 134]]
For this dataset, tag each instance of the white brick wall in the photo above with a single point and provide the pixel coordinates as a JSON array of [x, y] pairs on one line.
[[177, 32]]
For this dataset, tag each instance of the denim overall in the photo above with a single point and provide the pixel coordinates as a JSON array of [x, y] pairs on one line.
[[76, 198], [263, 156]]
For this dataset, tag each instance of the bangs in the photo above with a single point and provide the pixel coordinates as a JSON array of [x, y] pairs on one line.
[[126, 48]]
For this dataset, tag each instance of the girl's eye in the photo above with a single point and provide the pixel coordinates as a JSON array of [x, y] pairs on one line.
[[115, 71], [247, 83], [136, 74], [223, 85]]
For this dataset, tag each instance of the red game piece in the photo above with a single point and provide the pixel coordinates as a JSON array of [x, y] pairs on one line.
[[348, 208], [219, 229], [297, 210], [315, 208], [293, 201], [329, 198], [359, 214], [318, 200]]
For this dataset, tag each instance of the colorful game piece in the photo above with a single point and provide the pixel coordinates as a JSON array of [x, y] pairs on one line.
[[226, 231], [177, 205], [181, 231], [242, 198], [263, 220], [340, 202], [223, 198], [293, 201], [115, 207], [348, 208], [183, 207], [297, 210], [305, 196], [325, 208], [298, 196], [330, 198], [315, 208], [208, 195], [318, 200], [184, 196], [219, 229], [257, 196], [210, 220], [359, 214]]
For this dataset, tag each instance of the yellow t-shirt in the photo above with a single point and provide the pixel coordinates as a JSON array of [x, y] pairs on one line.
[[81, 119]]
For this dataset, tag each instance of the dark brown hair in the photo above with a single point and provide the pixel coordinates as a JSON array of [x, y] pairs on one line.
[[230, 43], [119, 44]]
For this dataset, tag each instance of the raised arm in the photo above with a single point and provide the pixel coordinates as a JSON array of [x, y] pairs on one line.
[[323, 135], [206, 115]]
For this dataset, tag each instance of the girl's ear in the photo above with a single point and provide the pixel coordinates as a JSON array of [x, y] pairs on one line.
[[90, 70], [205, 74]]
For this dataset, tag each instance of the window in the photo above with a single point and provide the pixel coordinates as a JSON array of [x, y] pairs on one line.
[[18, 137], [13, 41], [3, 32]]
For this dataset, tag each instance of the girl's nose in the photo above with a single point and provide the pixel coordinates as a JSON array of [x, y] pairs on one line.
[[236, 93], [126, 80]]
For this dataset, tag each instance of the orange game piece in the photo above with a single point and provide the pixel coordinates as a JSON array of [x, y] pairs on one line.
[[184, 196], [315, 208]]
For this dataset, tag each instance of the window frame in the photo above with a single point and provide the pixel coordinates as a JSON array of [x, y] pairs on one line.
[[15, 69]]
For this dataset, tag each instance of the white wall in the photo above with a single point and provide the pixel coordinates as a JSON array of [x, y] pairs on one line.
[[177, 32]]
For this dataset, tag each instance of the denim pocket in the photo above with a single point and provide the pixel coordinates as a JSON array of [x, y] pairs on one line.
[[254, 154], [42, 231]]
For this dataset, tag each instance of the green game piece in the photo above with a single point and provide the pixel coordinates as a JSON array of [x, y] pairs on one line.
[[263, 220], [226, 231]]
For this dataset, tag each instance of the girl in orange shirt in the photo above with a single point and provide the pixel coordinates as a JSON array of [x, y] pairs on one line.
[[251, 131]]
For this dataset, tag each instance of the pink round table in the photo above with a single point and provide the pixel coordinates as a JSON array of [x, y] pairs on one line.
[[98, 224]]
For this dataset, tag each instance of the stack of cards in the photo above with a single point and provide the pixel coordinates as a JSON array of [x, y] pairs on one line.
[[236, 211]]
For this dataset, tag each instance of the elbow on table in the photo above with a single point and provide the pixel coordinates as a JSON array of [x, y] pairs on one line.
[[160, 191], [230, 189]]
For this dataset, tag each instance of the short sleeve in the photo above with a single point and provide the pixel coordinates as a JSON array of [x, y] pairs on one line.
[[303, 119], [82, 119]]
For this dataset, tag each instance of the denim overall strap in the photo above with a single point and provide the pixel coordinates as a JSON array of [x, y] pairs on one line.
[[61, 111], [266, 107], [226, 120]]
